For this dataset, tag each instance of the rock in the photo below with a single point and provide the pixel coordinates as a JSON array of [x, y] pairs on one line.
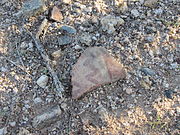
[[42, 81], [38, 100], [57, 54], [129, 90], [158, 11], [12, 124], [30, 46], [67, 1], [64, 106], [150, 3], [31, 8], [68, 29], [46, 118], [135, 12], [86, 39], [148, 71], [77, 47], [64, 40], [3, 69], [168, 93], [149, 39], [3, 131], [94, 68], [146, 83], [109, 22], [24, 45], [56, 15]]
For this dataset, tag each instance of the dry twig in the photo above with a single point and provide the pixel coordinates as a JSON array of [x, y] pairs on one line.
[[22, 68], [39, 46]]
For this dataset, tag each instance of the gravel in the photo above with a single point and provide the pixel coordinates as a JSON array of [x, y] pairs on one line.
[[143, 35]]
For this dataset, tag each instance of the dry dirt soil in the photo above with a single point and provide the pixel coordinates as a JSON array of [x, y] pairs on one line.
[[147, 102]]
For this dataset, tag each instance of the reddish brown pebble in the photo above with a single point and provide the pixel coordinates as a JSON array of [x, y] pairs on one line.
[[95, 67], [56, 14]]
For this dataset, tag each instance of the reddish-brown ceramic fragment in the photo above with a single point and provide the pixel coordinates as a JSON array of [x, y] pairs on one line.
[[95, 67]]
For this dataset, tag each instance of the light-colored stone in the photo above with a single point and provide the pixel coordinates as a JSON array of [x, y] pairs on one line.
[[94, 68], [38, 100], [64, 106], [129, 90], [109, 22], [24, 45], [12, 124], [77, 47], [3, 131], [135, 12], [3, 69], [56, 15], [121, 6], [57, 54], [47, 117], [42, 81], [67, 1], [150, 3]]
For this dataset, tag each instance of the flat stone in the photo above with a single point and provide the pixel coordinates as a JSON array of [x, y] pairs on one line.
[[42, 81], [64, 40], [94, 68], [68, 29], [31, 8], [150, 3], [56, 15], [47, 117]]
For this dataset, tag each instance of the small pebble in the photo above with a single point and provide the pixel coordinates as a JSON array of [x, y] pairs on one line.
[[168, 93], [57, 54], [68, 29], [42, 81], [129, 91], [12, 124], [38, 100], [56, 15]]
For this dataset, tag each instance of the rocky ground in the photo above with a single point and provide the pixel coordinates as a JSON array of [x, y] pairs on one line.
[[144, 35]]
